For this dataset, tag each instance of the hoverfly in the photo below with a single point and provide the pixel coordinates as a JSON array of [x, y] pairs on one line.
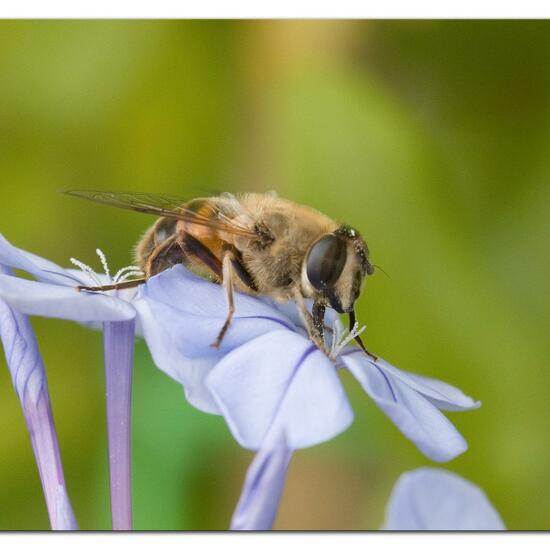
[[259, 244]]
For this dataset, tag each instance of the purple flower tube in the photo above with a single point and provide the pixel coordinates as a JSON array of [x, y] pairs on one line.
[[263, 487], [119, 354], [29, 379]]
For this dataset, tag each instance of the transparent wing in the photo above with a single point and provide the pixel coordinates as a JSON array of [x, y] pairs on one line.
[[168, 207]]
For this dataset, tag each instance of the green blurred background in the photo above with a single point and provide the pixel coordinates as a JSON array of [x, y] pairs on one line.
[[431, 137]]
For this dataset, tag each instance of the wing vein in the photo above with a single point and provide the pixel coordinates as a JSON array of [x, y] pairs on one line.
[[166, 206]]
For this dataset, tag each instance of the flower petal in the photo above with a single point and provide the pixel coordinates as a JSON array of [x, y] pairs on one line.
[[413, 414], [280, 378], [62, 302], [432, 499], [193, 295], [194, 333], [168, 357], [263, 487], [442, 395], [125, 294], [42, 269]]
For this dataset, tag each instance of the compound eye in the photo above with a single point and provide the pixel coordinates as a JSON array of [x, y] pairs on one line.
[[325, 262]]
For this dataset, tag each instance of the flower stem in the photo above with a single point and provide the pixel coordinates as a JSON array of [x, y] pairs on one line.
[[263, 487], [29, 380], [119, 354], [41, 427]]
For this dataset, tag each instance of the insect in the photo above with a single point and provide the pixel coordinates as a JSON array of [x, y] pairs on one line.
[[259, 244]]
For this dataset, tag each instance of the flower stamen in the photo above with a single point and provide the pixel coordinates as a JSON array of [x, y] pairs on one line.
[[341, 338], [121, 274], [103, 259], [86, 269]]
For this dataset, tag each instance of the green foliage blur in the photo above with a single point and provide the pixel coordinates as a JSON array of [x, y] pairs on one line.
[[432, 138]]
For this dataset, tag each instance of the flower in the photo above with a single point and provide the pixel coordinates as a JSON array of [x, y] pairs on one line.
[[433, 499], [277, 391], [29, 379], [266, 368], [267, 371], [54, 294]]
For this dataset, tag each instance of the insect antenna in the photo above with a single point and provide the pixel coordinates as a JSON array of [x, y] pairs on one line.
[[378, 267]]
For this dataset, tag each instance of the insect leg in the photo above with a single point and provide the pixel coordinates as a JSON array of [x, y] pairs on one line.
[[310, 323], [165, 255], [227, 282], [222, 270], [358, 338], [115, 286], [318, 315]]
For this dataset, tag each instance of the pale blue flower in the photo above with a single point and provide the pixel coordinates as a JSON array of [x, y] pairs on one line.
[[277, 391], [29, 379], [267, 370], [432, 499]]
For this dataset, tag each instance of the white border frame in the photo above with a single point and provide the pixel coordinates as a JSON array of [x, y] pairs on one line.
[[233, 9]]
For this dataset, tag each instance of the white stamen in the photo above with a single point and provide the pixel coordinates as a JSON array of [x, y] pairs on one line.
[[103, 263], [341, 339], [121, 275], [337, 333], [356, 331], [87, 269], [121, 271]]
